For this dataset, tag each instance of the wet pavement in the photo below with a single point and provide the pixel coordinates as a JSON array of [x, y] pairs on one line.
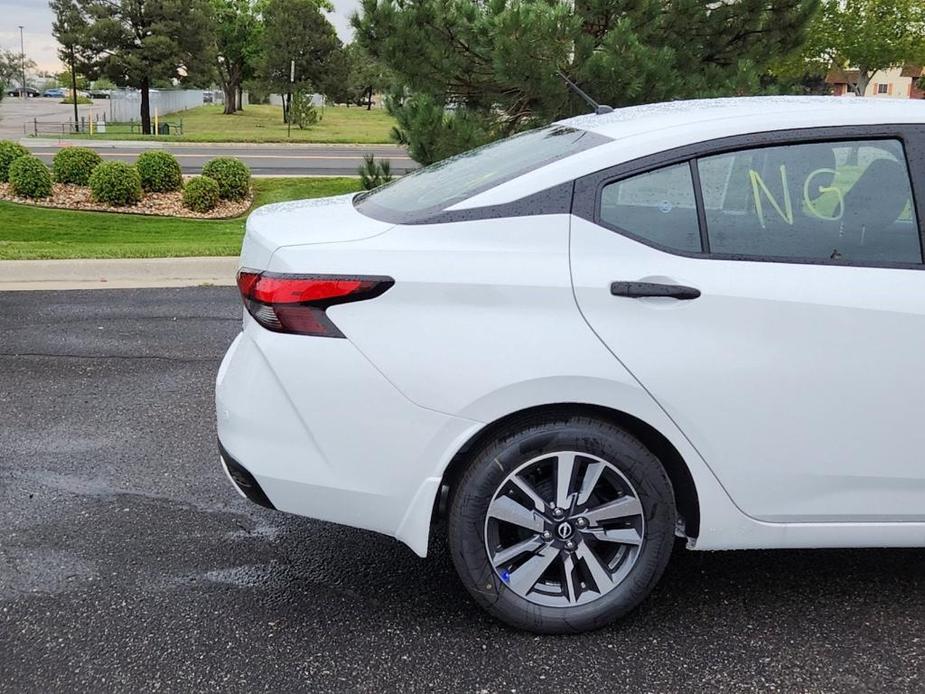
[[128, 563]]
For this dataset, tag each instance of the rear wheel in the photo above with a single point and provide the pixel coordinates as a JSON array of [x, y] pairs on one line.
[[562, 525]]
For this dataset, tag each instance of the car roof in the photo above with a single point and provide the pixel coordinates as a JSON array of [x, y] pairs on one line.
[[637, 131], [801, 111]]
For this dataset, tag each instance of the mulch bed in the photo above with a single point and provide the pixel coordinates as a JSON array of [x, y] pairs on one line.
[[73, 197]]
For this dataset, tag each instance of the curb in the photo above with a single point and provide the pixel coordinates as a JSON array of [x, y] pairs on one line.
[[133, 273]]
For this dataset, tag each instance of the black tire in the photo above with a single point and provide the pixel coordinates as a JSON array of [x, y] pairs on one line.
[[489, 467]]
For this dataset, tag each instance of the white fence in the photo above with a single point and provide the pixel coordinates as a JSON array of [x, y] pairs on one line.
[[125, 105], [277, 100]]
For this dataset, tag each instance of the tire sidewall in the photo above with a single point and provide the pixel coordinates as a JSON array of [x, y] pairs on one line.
[[491, 466]]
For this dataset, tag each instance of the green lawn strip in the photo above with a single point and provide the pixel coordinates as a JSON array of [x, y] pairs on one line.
[[263, 123], [28, 232], [269, 190]]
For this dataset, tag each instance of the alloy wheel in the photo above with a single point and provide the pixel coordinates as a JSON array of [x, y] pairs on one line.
[[564, 529]]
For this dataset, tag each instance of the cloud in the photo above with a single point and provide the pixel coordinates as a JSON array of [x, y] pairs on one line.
[[35, 17]]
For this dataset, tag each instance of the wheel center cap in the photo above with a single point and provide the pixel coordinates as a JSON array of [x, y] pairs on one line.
[[564, 531]]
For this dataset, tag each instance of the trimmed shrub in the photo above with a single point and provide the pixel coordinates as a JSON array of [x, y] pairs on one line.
[[30, 178], [116, 183], [74, 165], [9, 152], [233, 177], [200, 194], [159, 171]]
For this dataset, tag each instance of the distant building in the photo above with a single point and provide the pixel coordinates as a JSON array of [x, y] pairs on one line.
[[896, 82]]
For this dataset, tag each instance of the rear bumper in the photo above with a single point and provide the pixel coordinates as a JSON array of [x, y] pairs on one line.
[[311, 427]]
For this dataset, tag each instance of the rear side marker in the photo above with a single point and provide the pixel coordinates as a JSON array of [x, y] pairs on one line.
[[296, 304]]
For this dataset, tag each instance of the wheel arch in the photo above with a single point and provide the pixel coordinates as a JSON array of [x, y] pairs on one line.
[[685, 490]]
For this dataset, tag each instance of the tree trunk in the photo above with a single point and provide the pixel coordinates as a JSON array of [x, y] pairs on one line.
[[369, 97], [74, 89], [145, 106], [239, 104], [864, 76], [230, 93]]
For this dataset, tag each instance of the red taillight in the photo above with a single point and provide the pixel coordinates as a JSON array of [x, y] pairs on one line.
[[296, 303]]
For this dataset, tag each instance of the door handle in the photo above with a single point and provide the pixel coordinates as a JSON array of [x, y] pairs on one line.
[[640, 290]]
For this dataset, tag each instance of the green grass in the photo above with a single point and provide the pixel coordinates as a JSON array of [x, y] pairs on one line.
[[28, 232], [263, 123]]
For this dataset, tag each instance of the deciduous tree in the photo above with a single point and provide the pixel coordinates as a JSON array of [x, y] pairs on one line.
[[237, 46], [136, 42], [365, 75], [868, 35], [11, 69]]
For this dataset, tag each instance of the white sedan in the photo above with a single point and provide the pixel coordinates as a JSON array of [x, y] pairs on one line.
[[701, 320]]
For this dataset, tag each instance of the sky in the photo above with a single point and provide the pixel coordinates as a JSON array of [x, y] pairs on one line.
[[40, 46]]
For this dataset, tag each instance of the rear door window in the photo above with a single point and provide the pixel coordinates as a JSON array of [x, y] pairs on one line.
[[849, 201]]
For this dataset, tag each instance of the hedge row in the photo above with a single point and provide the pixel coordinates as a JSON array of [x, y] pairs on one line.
[[116, 183]]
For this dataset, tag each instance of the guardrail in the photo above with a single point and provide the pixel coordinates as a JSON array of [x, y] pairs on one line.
[[100, 129]]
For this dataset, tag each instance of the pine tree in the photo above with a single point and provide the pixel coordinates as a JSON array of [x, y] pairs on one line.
[[297, 30], [495, 63]]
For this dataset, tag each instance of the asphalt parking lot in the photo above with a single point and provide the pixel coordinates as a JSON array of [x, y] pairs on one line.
[[17, 114], [128, 563]]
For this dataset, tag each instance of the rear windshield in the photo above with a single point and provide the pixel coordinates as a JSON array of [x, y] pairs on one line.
[[418, 195]]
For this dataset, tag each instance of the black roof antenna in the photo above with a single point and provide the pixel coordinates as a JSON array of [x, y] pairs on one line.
[[598, 108]]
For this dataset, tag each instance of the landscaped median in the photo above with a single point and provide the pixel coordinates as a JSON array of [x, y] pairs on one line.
[[154, 184], [30, 231]]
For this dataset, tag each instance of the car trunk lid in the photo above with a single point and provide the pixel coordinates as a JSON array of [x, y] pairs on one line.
[[304, 222]]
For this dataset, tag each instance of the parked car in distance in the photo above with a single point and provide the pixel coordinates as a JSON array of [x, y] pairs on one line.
[[17, 91], [699, 320], [55, 93]]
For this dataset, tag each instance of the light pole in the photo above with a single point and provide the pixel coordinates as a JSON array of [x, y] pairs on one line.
[[22, 65], [70, 48], [289, 99]]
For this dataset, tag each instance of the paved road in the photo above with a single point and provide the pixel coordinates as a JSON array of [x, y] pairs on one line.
[[264, 160], [277, 160], [127, 563]]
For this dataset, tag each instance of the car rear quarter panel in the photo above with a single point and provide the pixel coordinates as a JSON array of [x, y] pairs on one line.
[[482, 323]]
